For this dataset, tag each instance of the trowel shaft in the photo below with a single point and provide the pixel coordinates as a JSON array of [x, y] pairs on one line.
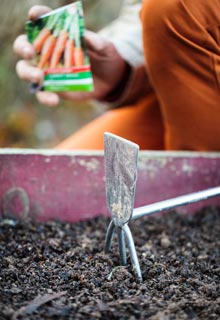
[[174, 202]]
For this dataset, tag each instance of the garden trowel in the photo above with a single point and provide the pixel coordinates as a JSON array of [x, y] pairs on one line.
[[121, 176], [121, 157]]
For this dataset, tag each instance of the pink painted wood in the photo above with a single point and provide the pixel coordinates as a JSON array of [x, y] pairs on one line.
[[70, 185]]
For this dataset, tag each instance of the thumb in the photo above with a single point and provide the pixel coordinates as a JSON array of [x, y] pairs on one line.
[[95, 42], [36, 11]]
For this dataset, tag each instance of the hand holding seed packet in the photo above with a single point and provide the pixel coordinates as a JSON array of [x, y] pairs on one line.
[[109, 68], [60, 51]]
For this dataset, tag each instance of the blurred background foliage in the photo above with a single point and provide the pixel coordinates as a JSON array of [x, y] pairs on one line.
[[24, 123]]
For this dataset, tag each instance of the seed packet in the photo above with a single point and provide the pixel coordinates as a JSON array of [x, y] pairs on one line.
[[57, 38]]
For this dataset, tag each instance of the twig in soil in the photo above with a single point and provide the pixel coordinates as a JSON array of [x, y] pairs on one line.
[[109, 277], [33, 305]]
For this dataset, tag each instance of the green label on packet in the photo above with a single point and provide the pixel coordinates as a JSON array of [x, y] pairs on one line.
[[57, 38]]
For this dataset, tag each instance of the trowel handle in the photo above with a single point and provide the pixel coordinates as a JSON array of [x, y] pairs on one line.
[[175, 202]]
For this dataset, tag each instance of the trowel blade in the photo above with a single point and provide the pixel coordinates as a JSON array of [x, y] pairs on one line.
[[121, 157]]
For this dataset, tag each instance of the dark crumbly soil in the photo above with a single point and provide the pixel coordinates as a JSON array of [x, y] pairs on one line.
[[58, 270]]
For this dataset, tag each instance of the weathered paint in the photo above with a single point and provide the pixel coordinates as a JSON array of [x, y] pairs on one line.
[[46, 184], [163, 175]]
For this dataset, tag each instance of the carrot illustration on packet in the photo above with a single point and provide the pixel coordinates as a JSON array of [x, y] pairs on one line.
[[69, 60], [61, 43], [47, 50], [45, 32], [51, 42], [78, 52]]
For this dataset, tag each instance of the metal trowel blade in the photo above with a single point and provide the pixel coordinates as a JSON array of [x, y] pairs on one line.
[[121, 157]]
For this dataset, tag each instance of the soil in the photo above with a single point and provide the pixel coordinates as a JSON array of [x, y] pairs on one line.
[[58, 270]]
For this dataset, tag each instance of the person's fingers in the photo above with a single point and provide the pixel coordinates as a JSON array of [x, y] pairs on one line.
[[27, 72], [50, 99], [36, 11], [23, 48], [77, 96]]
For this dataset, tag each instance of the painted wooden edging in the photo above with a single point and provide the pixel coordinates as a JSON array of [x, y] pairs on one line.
[[46, 184]]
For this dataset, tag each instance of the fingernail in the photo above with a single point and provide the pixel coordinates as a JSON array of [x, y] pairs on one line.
[[37, 75]]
